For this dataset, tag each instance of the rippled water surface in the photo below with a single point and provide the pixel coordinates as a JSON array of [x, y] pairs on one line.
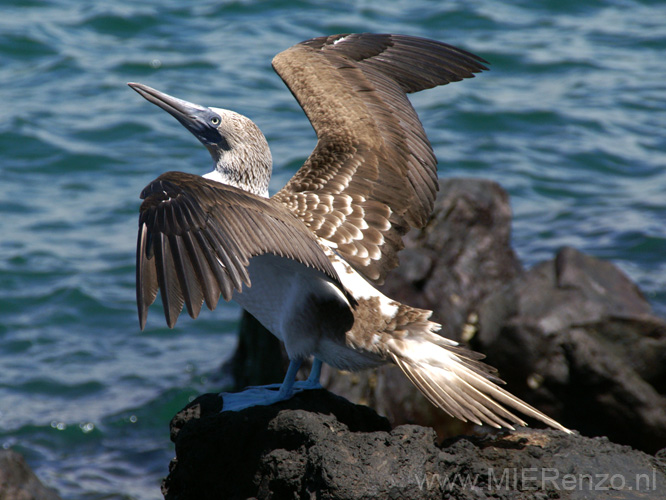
[[570, 120]]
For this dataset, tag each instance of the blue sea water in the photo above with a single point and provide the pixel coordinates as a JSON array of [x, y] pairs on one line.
[[570, 120]]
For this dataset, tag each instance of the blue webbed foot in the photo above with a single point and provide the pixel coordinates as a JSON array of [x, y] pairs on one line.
[[268, 394]]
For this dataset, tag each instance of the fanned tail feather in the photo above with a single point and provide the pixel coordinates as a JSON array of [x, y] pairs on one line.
[[453, 378]]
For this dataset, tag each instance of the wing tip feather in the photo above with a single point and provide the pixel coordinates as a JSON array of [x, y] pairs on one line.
[[461, 391]]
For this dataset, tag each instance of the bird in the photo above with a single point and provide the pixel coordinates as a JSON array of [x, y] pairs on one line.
[[306, 261]]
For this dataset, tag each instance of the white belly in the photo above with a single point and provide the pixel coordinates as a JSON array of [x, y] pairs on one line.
[[286, 297]]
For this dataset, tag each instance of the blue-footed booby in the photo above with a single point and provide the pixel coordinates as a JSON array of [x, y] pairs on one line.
[[305, 261]]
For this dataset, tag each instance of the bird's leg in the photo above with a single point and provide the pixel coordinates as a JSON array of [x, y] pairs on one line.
[[294, 387], [287, 387], [313, 380], [311, 383]]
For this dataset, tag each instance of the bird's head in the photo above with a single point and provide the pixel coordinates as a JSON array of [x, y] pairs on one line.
[[239, 149]]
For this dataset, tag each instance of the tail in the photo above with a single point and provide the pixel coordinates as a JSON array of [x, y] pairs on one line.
[[454, 379]]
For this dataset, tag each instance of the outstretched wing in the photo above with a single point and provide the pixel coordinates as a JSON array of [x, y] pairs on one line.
[[373, 173], [196, 238]]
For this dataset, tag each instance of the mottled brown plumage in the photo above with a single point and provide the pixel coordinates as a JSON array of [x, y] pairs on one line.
[[373, 173]]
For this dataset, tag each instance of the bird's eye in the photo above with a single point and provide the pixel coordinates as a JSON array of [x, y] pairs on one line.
[[215, 120]]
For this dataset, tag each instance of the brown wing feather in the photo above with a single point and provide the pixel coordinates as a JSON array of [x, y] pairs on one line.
[[373, 173], [196, 238]]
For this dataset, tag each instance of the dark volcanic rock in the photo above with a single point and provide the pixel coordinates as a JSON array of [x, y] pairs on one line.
[[463, 254], [318, 445], [577, 338], [572, 336], [19, 482], [240, 454]]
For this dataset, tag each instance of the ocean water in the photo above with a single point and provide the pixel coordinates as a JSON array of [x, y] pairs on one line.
[[570, 120]]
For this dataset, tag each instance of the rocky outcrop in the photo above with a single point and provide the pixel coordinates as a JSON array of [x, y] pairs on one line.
[[318, 445], [18, 481], [572, 336], [463, 254], [577, 338]]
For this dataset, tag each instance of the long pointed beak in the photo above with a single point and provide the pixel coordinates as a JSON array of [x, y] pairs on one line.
[[195, 118], [176, 107]]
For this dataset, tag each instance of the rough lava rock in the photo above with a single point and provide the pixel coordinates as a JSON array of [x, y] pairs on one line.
[[577, 338], [461, 255], [318, 445]]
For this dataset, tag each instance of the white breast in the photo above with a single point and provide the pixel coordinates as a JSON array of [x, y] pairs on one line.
[[281, 298]]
